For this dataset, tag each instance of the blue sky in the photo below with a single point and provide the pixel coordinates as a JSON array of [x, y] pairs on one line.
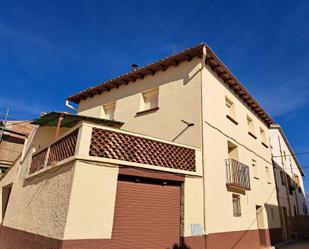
[[52, 49]]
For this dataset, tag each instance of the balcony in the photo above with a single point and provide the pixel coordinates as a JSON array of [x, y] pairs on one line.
[[237, 175], [92, 142]]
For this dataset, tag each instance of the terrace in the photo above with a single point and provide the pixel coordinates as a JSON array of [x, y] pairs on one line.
[[91, 140]]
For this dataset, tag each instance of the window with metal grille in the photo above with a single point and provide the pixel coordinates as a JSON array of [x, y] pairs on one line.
[[236, 206]]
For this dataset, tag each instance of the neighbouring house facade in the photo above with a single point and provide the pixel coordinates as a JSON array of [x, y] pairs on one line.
[[172, 155], [13, 135], [289, 178]]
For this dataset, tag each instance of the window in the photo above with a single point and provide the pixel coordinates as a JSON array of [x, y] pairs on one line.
[[232, 151], [236, 206], [284, 155], [267, 174], [272, 212], [230, 110], [109, 110], [255, 169], [305, 210], [150, 99], [263, 136], [6, 192], [282, 177], [250, 126], [296, 179], [290, 185]]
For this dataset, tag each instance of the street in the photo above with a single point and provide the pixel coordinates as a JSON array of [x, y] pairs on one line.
[[299, 245]]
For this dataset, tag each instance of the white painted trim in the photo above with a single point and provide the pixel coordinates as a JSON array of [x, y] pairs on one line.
[[112, 163], [139, 135]]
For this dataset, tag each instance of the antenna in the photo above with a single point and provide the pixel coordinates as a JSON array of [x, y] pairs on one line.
[[4, 124]]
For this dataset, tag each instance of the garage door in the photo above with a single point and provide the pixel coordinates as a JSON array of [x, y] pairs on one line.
[[147, 215]]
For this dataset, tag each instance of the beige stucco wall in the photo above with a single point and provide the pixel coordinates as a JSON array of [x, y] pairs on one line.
[[46, 135], [193, 203], [217, 132], [289, 166], [39, 205], [179, 98], [92, 203]]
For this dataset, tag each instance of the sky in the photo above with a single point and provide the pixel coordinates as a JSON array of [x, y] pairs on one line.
[[50, 50]]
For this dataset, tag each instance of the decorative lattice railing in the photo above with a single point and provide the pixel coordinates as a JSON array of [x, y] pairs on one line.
[[56, 152], [63, 148], [111, 144], [38, 161], [131, 148]]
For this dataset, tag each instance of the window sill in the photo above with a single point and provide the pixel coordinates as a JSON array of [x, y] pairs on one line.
[[232, 119], [252, 135], [265, 145], [147, 111]]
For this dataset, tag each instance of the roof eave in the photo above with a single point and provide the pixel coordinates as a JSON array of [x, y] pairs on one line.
[[187, 55]]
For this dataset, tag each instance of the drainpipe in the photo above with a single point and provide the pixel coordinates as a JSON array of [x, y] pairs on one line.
[[203, 141], [58, 126], [67, 104]]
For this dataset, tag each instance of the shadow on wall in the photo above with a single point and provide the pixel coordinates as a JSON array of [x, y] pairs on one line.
[[263, 235], [180, 247]]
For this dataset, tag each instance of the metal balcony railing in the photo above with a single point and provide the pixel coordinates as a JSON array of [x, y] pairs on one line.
[[237, 174]]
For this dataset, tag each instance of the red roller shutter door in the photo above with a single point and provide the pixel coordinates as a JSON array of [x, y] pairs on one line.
[[147, 215]]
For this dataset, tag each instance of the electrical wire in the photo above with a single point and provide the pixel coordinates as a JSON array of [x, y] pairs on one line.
[[295, 154]]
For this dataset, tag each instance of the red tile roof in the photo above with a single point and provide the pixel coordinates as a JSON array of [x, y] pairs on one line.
[[186, 55], [22, 127]]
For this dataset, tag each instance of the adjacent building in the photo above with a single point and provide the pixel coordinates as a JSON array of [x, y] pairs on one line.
[[289, 178], [12, 138], [175, 154]]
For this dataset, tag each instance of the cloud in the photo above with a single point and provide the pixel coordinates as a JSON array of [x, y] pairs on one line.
[[21, 107], [282, 99], [33, 52], [282, 83]]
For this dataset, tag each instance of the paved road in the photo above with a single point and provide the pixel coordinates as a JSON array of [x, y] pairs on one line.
[[299, 245]]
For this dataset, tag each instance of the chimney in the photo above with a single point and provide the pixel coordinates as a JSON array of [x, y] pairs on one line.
[[134, 67]]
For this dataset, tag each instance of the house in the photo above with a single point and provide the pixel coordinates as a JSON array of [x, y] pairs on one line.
[[13, 135], [289, 178], [175, 154]]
